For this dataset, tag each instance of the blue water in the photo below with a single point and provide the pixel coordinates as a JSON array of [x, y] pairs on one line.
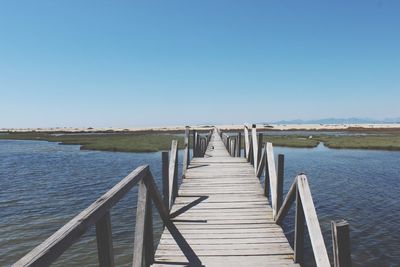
[[43, 185]]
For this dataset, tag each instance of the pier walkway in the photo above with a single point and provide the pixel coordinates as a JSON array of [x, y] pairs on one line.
[[222, 213]]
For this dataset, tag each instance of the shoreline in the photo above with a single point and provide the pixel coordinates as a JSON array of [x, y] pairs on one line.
[[224, 127]]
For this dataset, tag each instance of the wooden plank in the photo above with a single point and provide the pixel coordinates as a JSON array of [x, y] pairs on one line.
[[314, 230], [162, 210], [261, 165], [221, 210], [104, 241], [287, 203], [45, 253]]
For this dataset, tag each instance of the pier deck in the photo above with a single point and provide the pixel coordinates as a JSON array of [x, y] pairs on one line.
[[222, 213]]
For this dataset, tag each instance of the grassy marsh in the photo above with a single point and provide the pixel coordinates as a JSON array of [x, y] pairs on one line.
[[153, 141], [123, 142]]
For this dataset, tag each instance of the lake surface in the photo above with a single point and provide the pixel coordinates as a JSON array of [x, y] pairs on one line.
[[43, 185]]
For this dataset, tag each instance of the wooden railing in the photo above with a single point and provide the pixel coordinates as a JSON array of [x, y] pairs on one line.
[[232, 143], [200, 143], [261, 155], [98, 215]]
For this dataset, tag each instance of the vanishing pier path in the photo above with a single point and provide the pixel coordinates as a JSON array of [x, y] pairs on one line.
[[222, 213]]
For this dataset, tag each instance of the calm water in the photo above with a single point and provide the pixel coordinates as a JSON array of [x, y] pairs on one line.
[[43, 185]]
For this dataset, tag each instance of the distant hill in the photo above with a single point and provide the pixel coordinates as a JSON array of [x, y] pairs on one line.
[[338, 121]]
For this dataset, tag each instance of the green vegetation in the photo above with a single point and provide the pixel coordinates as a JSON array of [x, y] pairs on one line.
[[123, 142], [291, 141], [152, 141], [382, 142]]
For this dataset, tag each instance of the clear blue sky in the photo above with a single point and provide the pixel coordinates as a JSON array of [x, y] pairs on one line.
[[135, 63]]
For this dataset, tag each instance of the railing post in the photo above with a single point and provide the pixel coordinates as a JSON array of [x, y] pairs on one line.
[[251, 155], [341, 244], [104, 241], [172, 173], [255, 146], [239, 151], [141, 241], [165, 174], [279, 185], [259, 148], [299, 231], [197, 144], [176, 187], [272, 177], [246, 144], [148, 237], [186, 158], [267, 178], [194, 134], [233, 150]]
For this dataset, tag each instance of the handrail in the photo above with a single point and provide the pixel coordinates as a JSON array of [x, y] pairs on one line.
[[98, 214], [305, 210], [233, 143], [200, 143]]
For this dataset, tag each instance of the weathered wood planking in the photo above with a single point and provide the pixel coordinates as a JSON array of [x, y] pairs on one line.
[[222, 213]]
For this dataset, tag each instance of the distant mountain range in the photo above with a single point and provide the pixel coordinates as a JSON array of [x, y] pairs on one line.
[[338, 121]]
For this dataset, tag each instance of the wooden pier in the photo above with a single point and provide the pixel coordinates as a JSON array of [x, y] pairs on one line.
[[221, 215]]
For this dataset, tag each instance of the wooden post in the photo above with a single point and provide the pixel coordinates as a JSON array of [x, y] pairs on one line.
[[194, 143], [172, 173], [234, 147], [165, 173], [299, 231], [186, 158], [341, 244], [250, 158], [176, 187], [314, 229], [266, 180], [279, 185], [140, 227], [255, 146], [239, 144], [246, 143], [198, 145], [104, 241], [272, 177], [148, 237], [260, 147]]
